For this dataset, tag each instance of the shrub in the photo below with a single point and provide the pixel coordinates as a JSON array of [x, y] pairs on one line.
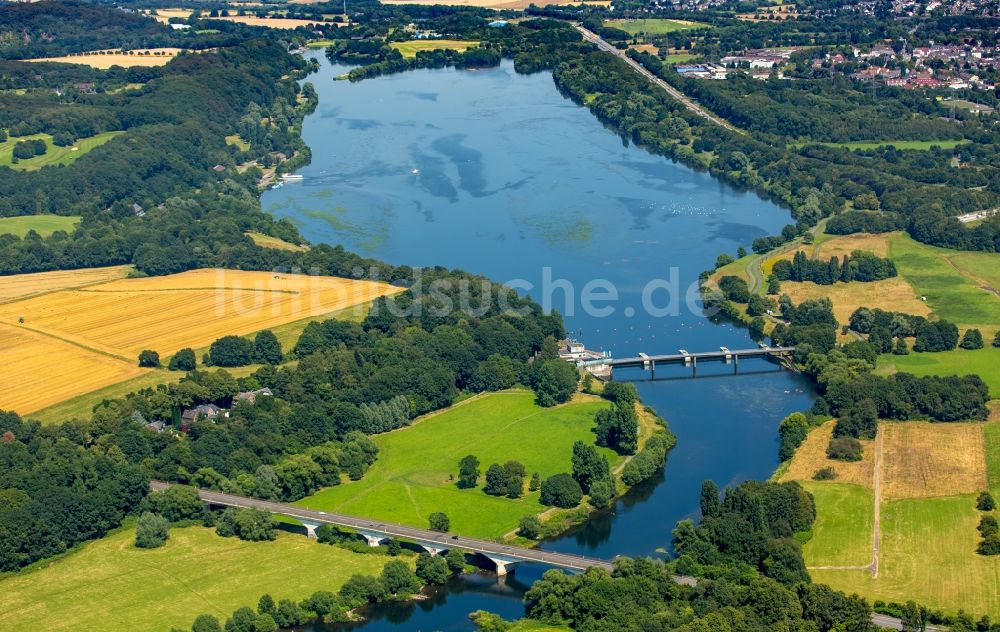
[[151, 531], [988, 526], [825, 474], [602, 493], [183, 360], [561, 490], [972, 339], [844, 449], [252, 525], [432, 569], [989, 546], [530, 527], [150, 359], [439, 521], [985, 502]]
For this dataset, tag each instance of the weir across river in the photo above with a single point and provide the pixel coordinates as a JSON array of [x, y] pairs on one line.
[[603, 366]]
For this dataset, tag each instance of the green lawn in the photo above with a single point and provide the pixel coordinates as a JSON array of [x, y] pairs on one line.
[[842, 533], [654, 26], [410, 480], [983, 362], [922, 145], [681, 58], [928, 555], [409, 49], [44, 225], [54, 155], [110, 585], [950, 293]]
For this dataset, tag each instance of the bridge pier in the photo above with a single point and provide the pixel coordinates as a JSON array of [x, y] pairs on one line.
[[504, 565], [310, 528], [432, 549], [373, 538]]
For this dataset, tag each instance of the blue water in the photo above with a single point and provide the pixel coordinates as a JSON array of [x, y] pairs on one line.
[[496, 173]]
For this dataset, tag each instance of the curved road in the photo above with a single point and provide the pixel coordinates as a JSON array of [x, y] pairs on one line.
[[685, 100]]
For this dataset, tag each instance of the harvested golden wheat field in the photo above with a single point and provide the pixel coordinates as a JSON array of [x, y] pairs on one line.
[[82, 334], [37, 371], [272, 23], [106, 59], [190, 309], [922, 459], [893, 294], [21, 286]]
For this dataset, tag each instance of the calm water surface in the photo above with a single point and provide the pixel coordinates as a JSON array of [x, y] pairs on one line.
[[496, 173]]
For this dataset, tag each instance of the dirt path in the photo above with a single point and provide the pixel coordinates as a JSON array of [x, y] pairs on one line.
[[877, 526]]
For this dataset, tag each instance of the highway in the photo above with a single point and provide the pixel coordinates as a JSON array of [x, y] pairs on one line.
[[595, 39]]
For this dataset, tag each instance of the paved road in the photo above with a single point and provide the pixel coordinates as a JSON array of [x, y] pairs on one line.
[[434, 538], [595, 39]]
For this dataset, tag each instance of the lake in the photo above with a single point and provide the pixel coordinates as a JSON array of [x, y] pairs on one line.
[[496, 173]]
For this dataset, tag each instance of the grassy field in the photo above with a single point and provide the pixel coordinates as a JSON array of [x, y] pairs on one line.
[[983, 362], [266, 241], [928, 555], [922, 145], [54, 155], [930, 476], [654, 26], [110, 585], [106, 59], [65, 343], [44, 225], [951, 290], [412, 477], [410, 48], [890, 294], [842, 533]]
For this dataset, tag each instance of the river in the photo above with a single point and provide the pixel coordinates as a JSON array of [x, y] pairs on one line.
[[496, 173]]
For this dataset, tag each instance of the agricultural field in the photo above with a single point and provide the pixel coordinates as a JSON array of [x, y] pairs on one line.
[[20, 286], [112, 586], [930, 476], [416, 467], [38, 370], [410, 48], [654, 26], [266, 241], [54, 155], [164, 15], [93, 330], [923, 459], [44, 225], [271, 23], [893, 294], [983, 362], [106, 59]]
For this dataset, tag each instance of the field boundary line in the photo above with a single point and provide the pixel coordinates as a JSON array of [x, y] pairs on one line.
[[26, 297], [80, 345]]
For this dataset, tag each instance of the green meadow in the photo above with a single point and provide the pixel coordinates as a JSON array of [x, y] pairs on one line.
[[952, 292], [654, 26], [928, 554], [842, 533], [54, 155], [983, 362], [417, 467], [112, 586], [44, 225]]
